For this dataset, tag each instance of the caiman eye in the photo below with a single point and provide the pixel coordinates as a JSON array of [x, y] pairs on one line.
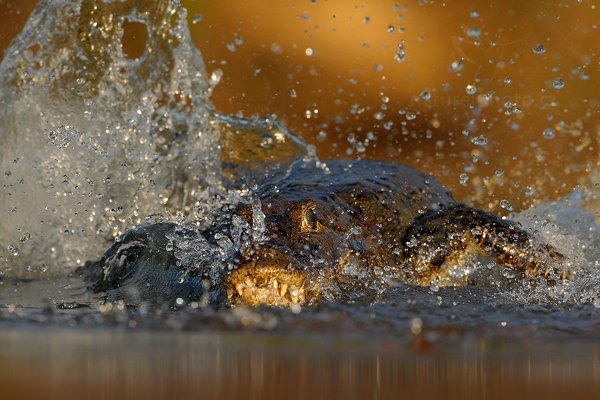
[[310, 222]]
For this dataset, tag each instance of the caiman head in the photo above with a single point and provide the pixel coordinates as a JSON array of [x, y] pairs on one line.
[[306, 248], [279, 251]]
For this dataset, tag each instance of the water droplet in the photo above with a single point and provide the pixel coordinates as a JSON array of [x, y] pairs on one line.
[[456, 66], [474, 14], [499, 172], [276, 48], [480, 140], [14, 250], [410, 116], [390, 28], [507, 81], [26, 237], [529, 191], [476, 232], [549, 133], [539, 49], [471, 89], [474, 32], [558, 83], [215, 77], [400, 53], [425, 95], [366, 20], [506, 205], [413, 242], [293, 94], [463, 179]]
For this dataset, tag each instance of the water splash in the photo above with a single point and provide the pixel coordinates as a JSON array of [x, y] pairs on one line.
[[576, 235], [96, 140]]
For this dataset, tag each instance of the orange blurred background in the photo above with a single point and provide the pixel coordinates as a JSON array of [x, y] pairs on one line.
[[499, 100]]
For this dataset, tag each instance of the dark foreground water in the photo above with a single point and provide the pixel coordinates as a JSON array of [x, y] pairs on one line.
[[79, 363], [456, 343]]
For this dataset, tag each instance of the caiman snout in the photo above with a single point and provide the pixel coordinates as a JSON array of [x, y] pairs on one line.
[[268, 275]]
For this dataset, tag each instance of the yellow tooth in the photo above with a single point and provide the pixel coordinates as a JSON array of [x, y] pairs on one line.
[[229, 293], [275, 284], [294, 291], [301, 294], [283, 289], [239, 288]]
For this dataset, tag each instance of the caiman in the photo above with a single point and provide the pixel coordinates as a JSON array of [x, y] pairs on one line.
[[340, 231]]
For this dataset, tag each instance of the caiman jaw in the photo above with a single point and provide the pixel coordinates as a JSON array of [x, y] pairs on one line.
[[272, 285]]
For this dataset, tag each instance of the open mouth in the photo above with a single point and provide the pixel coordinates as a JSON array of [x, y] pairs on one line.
[[269, 285]]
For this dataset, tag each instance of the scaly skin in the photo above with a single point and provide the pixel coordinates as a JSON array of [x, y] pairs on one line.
[[347, 233]]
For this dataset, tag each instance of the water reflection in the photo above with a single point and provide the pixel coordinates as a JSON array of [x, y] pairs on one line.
[[118, 364]]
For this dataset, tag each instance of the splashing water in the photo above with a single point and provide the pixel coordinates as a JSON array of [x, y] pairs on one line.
[[95, 141], [576, 234]]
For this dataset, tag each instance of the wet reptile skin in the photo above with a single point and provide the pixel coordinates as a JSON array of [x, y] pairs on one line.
[[342, 232]]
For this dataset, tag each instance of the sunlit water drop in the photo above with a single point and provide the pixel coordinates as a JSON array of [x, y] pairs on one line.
[[549, 133], [539, 49], [558, 83], [456, 66]]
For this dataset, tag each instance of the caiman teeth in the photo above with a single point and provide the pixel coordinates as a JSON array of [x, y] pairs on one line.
[[240, 289], [283, 290], [275, 288], [294, 294]]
